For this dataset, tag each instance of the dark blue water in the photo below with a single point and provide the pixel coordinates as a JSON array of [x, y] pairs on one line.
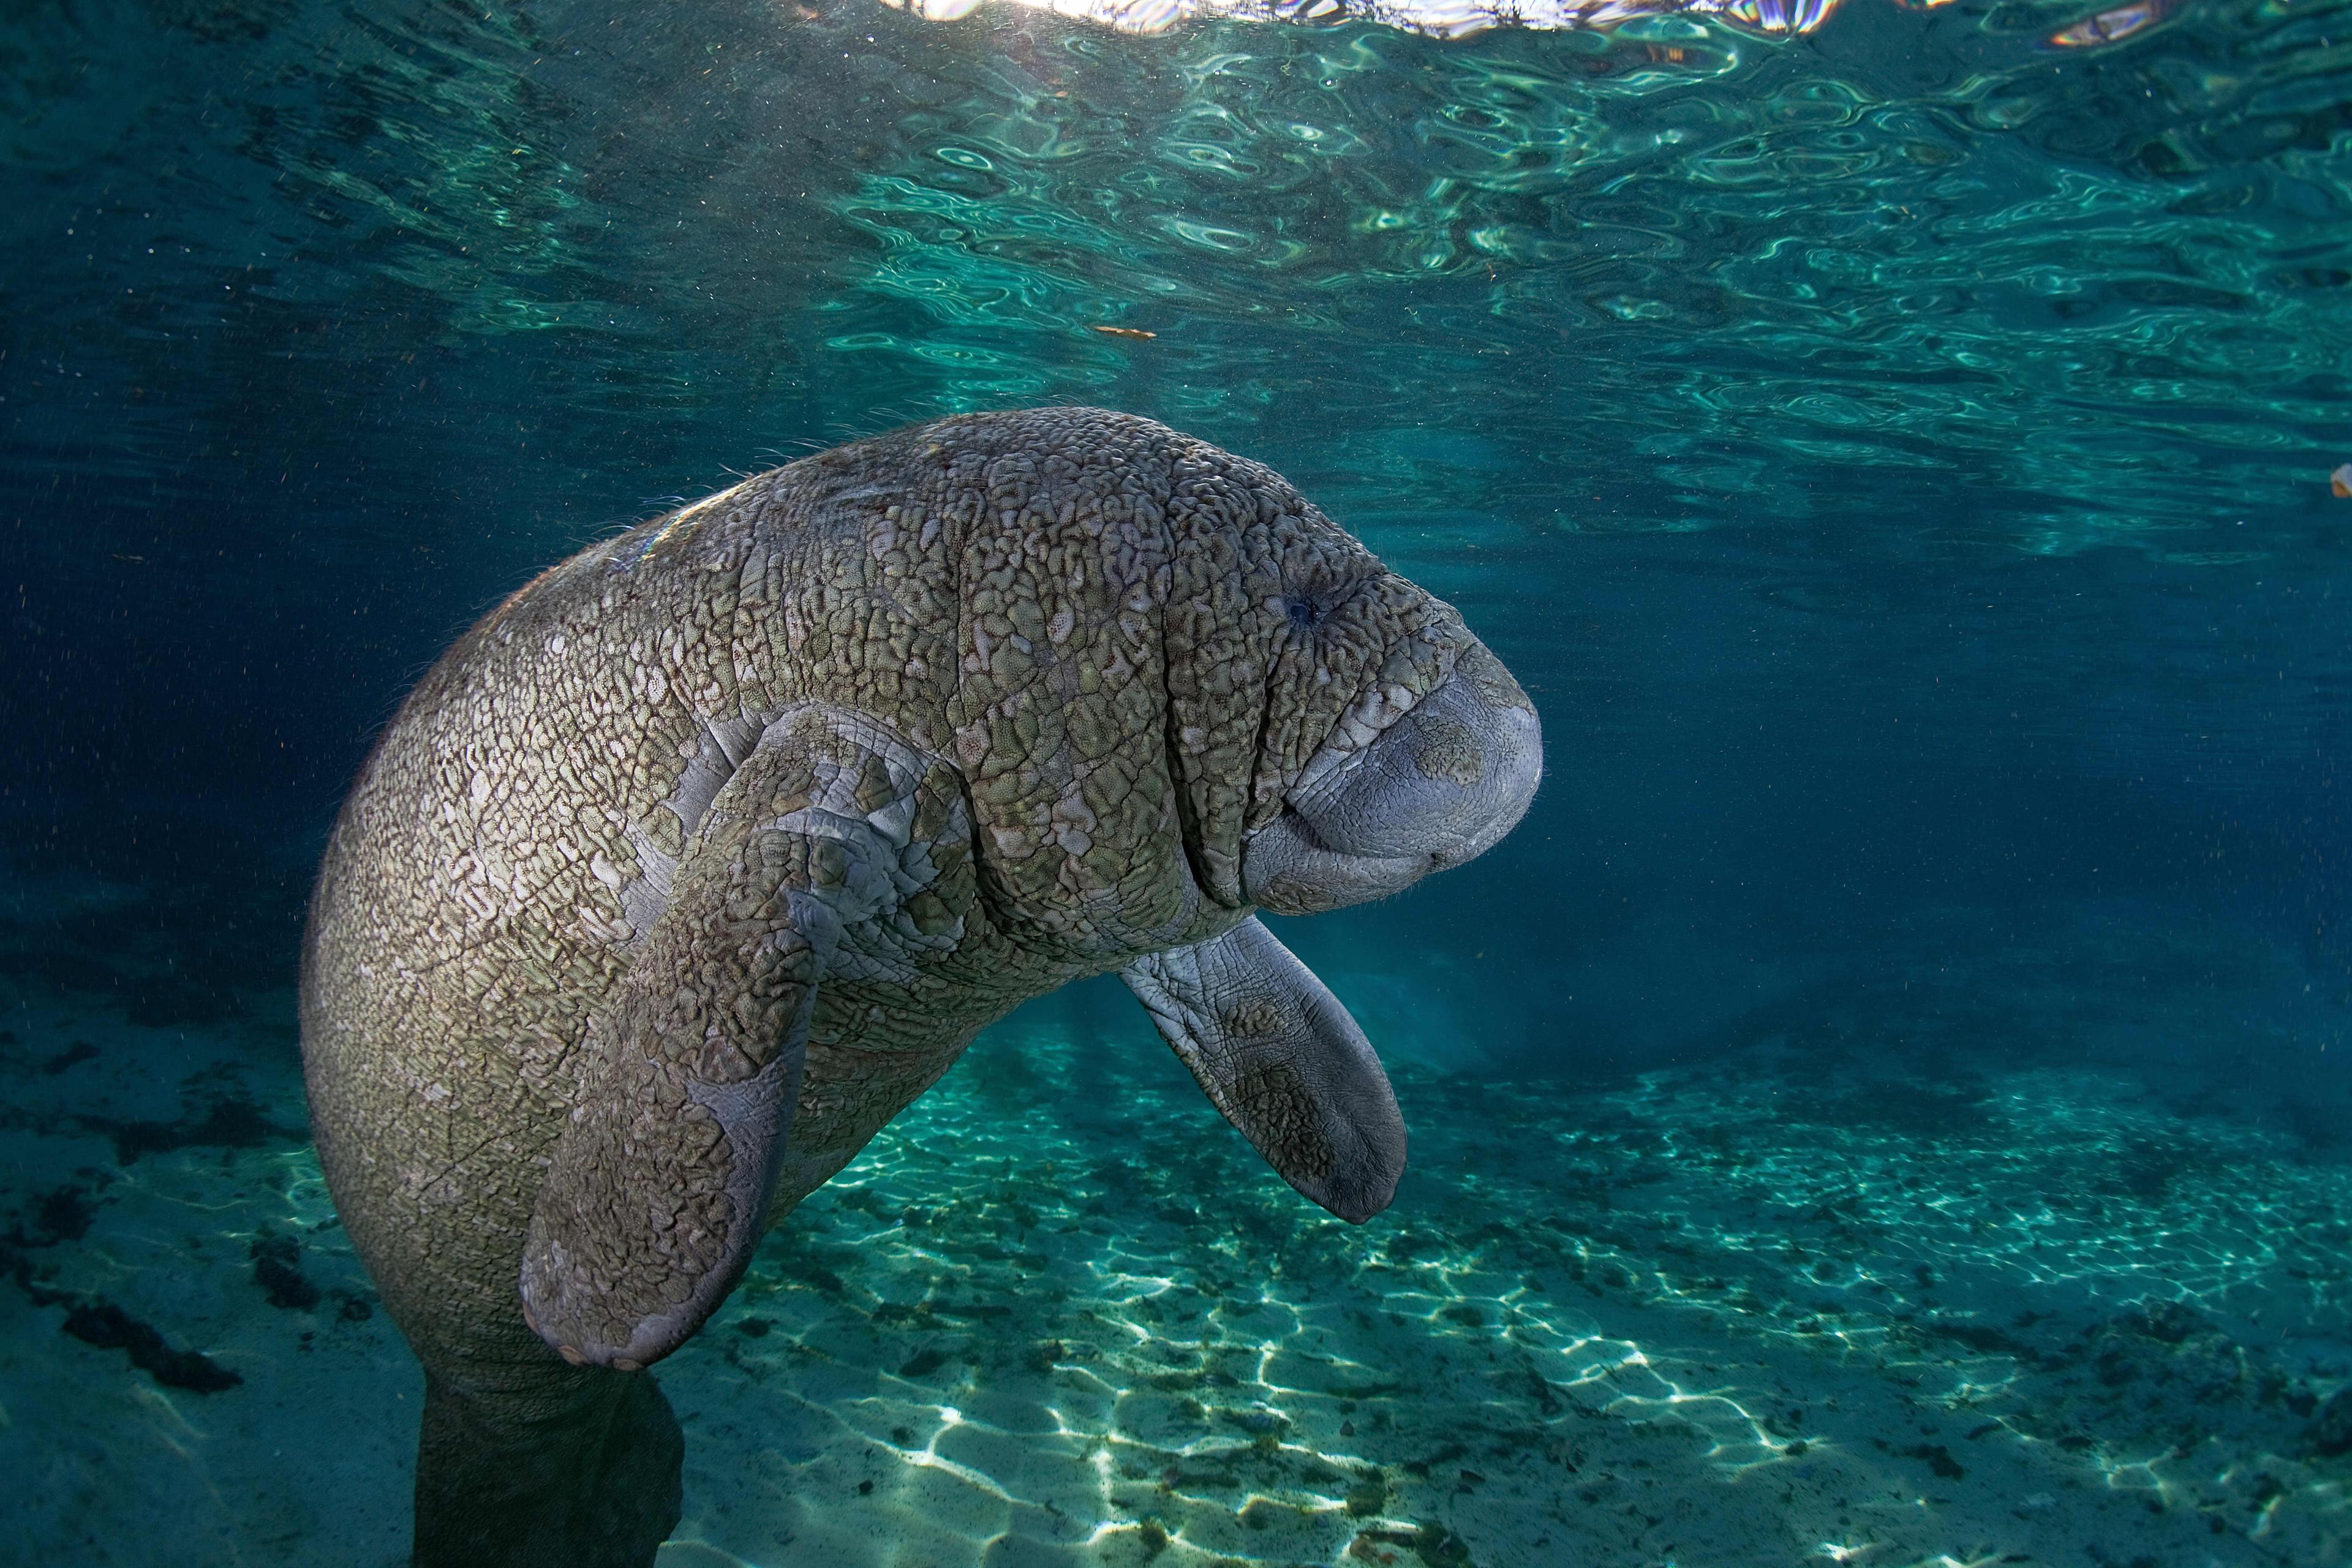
[[1890, 1103]]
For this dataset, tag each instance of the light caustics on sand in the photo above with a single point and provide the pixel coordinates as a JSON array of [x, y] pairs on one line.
[[1004, 1333]]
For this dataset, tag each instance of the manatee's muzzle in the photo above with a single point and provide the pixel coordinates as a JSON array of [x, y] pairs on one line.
[[1439, 786]]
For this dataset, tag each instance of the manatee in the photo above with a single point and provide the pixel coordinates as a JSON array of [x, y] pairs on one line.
[[705, 853]]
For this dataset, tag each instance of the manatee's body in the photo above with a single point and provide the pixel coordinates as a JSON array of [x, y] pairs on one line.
[[705, 854]]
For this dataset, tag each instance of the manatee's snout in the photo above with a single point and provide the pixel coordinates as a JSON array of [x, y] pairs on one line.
[[1442, 784]]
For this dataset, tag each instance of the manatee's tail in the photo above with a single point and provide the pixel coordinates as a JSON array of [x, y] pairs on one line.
[[569, 1467]]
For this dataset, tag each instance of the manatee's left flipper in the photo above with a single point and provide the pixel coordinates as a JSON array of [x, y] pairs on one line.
[[817, 849], [1280, 1057]]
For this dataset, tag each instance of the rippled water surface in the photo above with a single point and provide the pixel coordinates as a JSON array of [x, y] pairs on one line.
[[1888, 1103]]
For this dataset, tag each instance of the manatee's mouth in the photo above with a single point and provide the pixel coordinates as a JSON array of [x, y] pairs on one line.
[[1438, 785], [1286, 865]]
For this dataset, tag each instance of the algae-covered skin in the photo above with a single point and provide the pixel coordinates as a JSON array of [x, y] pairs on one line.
[[702, 856]]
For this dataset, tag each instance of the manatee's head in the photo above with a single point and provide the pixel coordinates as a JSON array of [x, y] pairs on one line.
[[1433, 759], [1332, 733]]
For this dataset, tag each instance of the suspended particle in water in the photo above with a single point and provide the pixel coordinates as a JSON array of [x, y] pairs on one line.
[[2113, 26]]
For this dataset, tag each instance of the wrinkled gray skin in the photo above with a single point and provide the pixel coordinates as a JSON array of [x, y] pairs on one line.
[[701, 856]]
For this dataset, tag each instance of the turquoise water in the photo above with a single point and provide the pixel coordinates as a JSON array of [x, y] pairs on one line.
[[1887, 1103]]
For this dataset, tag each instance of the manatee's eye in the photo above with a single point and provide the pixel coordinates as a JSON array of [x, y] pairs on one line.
[[1317, 593], [1305, 614]]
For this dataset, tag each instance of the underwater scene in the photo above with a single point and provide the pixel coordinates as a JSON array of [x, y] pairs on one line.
[[1888, 1101]]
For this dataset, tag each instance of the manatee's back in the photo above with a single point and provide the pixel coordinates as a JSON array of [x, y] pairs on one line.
[[455, 943], [475, 898]]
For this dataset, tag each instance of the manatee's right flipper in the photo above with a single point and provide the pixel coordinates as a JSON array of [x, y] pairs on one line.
[[658, 1190], [1282, 1059], [552, 1467]]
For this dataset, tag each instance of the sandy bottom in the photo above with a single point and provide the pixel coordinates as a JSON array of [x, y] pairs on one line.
[[1789, 1307]]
